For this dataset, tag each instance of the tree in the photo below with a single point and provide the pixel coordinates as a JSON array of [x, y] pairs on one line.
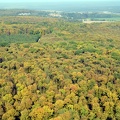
[[59, 105], [41, 113], [25, 115]]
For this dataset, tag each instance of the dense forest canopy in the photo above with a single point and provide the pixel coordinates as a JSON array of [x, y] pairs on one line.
[[54, 69]]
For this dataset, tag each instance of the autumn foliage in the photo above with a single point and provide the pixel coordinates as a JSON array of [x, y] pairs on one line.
[[73, 73]]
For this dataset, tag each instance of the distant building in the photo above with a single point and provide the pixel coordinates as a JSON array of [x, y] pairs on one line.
[[55, 15], [24, 14]]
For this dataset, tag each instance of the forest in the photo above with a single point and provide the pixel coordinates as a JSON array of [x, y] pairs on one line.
[[71, 16], [55, 69]]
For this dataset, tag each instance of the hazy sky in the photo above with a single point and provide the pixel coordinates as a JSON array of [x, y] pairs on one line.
[[51, 0]]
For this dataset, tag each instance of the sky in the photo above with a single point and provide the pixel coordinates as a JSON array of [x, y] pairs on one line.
[[62, 5], [52, 0], [36, 0]]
